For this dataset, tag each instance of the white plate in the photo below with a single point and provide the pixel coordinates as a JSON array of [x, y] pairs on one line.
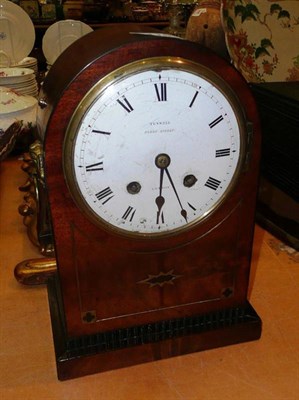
[[17, 33], [19, 87], [28, 82], [11, 101], [27, 62], [61, 35], [31, 80], [16, 107], [31, 93], [15, 75]]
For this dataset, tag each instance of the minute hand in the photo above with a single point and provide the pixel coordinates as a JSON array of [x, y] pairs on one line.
[[183, 211]]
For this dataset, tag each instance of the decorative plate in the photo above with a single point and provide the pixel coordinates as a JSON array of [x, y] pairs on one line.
[[28, 62], [61, 35], [12, 101], [262, 38], [15, 75], [17, 34]]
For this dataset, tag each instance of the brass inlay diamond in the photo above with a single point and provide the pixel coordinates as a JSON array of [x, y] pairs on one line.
[[163, 278], [88, 317]]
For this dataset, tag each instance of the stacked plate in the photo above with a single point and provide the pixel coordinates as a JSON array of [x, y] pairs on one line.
[[28, 62], [22, 80], [17, 118], [16, 107]]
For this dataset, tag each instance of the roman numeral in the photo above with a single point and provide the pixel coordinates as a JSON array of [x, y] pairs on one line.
[[212, 183], [106, 194], [125, 104], [193, 100], [95, 167], [161, 91], [129, 213], [222, 153], [216, 121], [101, 132]]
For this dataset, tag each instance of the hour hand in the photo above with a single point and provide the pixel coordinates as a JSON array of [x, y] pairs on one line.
[[161, 161], [160, 199]]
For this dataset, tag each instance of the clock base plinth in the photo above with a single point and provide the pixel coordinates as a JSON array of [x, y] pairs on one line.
[[129, 346]]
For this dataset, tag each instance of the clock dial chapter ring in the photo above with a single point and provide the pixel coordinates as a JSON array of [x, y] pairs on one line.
[[148, 157]]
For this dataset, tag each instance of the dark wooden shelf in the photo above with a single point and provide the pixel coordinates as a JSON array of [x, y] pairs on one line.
[[94, 25]]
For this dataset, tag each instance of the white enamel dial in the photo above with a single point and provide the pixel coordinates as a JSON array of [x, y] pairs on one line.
[[155, 149]]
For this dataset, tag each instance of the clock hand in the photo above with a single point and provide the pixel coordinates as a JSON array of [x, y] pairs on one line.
[[183, 211], [161, 161], [160, 199]]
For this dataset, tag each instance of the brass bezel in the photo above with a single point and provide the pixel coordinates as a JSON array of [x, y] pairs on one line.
[[153, 63]]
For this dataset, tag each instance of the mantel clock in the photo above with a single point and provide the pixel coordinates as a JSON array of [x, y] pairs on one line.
[[152, 148]]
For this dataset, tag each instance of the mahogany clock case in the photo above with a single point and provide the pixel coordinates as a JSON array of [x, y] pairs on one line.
[[118, 300]]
